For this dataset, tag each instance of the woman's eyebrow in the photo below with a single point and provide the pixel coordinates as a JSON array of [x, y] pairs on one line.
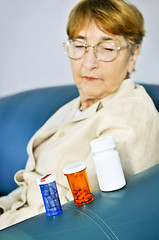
[[105, 38], [80, 37]]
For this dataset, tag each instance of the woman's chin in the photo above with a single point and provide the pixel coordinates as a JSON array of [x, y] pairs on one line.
[[91, 94]]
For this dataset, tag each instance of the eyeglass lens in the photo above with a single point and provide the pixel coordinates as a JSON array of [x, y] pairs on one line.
[[104, 51]]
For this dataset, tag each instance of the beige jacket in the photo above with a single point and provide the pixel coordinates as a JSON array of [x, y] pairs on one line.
[[128, 115]]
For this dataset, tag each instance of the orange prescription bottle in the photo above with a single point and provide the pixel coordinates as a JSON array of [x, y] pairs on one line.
[[79, 183]]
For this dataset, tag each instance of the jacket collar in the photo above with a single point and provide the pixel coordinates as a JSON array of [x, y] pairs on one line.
[[125, 88]]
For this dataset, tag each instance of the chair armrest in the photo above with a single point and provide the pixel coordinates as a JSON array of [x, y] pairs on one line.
[[129, 213]]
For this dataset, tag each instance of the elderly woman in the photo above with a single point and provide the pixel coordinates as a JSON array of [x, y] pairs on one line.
[[104, 38]]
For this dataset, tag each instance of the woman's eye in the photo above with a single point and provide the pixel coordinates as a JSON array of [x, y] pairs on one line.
[[79, 46], [106, 47]]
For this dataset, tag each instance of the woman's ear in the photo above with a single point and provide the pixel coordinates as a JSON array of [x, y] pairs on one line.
[[133, 57]]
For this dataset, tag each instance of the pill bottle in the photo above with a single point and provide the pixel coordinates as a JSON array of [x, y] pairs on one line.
[[50, 194], [79, 184], [107, 164]]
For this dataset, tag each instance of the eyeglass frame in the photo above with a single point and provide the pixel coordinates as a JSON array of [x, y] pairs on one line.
[[94, 49]]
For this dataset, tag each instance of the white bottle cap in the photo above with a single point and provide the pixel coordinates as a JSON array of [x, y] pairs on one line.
[[73, 168], [102, 144], [48, 178]]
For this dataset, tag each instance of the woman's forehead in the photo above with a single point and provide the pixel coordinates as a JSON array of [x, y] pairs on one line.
[[92, 30], [90, 25]]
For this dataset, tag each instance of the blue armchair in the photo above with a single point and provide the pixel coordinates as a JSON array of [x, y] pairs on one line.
[[131, 213], [20, 116]]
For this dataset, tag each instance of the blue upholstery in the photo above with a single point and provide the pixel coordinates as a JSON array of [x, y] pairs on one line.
[[131, 213], [20, 116], [153, 91]]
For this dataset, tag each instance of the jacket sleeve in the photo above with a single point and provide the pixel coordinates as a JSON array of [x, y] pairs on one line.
[[12, 200], [135, 128]]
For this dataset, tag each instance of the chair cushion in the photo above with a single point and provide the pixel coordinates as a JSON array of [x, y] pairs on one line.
[[20, 116]]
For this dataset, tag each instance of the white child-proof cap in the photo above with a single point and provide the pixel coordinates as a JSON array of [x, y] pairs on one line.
[[102, 143], [48, 178], [75, 167]]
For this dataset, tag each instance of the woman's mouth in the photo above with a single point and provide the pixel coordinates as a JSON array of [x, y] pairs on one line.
[[90, 78]]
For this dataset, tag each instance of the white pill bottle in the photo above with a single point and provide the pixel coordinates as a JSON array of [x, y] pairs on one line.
[[107, 164]]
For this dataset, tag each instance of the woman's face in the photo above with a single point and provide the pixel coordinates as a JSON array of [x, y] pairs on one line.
[[96, 79]]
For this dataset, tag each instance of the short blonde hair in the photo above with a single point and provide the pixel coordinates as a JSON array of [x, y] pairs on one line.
[[113, 16]]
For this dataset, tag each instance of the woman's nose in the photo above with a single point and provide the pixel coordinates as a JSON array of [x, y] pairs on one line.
[[89, 60]]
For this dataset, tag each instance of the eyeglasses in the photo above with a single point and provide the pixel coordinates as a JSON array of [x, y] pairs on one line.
[[104, 51]]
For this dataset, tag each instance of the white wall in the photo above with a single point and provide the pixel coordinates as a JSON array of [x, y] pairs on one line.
[[148, 63], [31, 33]]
